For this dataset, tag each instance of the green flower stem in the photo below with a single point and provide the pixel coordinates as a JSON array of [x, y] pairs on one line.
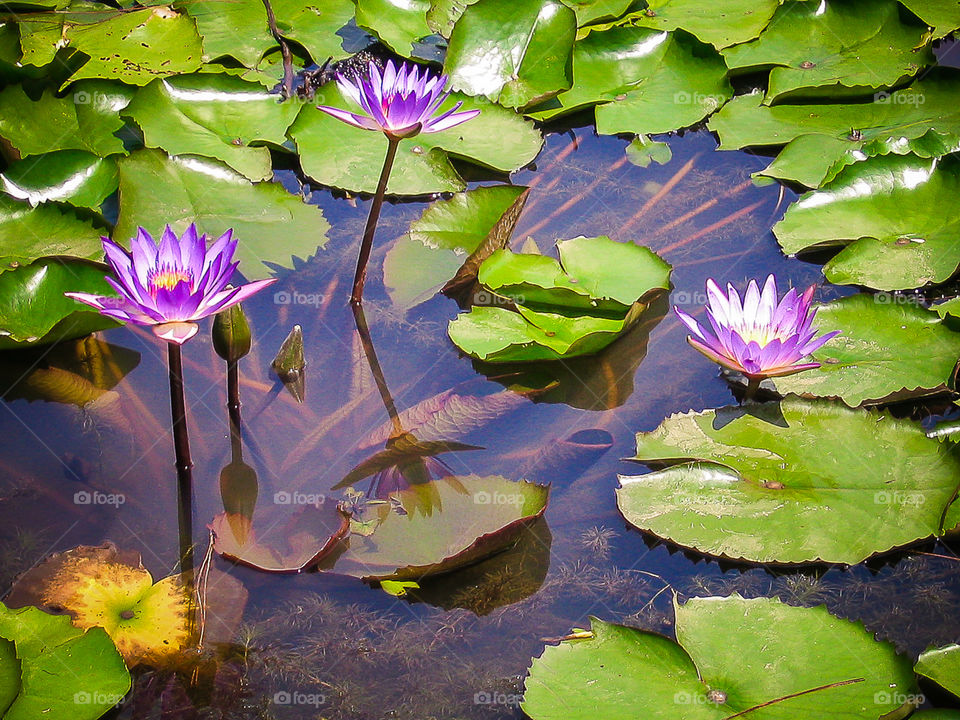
[[371, 228], [181, 445]]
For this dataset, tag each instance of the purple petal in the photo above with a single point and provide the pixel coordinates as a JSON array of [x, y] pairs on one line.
[[350, 118]]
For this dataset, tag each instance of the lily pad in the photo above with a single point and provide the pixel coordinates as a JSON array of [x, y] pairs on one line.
[[438, 527], [28, 234], [790, 482], [727, 23], [72, 176], [272, 225], [239, 29], [822, 139], [137, 46], [836, 48], [216, 116], [576, 306], [498, 139], [398, 23], [732, 655], [593, 11], [942, 15], [866, 363], [451, 238], [942, 665], [950, 307], [642, 151], [880, 212], [86, 120], [34, 310], [644, 81], [515, 52], [293, 543], [54, 670]]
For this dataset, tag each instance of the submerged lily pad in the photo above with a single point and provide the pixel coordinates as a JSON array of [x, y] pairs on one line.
[[576, 306], [438, 527], [644, 81], [789, 482], [272, 225], [822, 139], [292, 544], [817, 49], [451, 238], [942, 665], [866, 363], [498, 139], [34, 310], [51, 669], [515, 52], [879, 211], [216, 116], [732, 655], [87, 120]]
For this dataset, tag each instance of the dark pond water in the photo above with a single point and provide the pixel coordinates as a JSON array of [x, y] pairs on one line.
[[314, 645]]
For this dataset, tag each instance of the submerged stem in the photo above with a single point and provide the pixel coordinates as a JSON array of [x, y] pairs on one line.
[[367, 342], [181, 445], [371, 227]]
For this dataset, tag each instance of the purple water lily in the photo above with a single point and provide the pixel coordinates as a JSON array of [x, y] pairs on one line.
[[758, 336], [172, 285], [400, 102]]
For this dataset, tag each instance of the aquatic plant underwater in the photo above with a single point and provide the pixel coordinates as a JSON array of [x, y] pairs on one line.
[[782, 542]]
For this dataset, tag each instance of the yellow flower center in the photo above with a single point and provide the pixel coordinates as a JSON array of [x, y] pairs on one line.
[[761, 335], [168, 279]]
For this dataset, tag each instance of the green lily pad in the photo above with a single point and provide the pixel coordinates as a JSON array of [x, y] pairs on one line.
[[438, 527], [881, 212], [450, 235], [922, 119], [215, 116], [137, 46], [86, 120], [398, 23], [789, 482], [515, 52], [731, 655], [594, 11], [443, 15], [936, 715], [54, 670], [72, 176], [942, 15], [818, 49], [866, 363], [239, 29], [942, 665], [576, 306], [644, 80], [642, 151], [498, 139], [727, 23], [950, 307], [34, 310], [272, 225], [28, 234]]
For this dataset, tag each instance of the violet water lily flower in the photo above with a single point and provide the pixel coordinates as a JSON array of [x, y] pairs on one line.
[[758, 336], [400, 102], [172, 285]]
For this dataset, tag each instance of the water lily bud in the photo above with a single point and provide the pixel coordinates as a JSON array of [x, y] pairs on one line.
[[231, 334]]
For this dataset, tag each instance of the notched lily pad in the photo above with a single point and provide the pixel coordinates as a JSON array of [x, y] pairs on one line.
[[733, 656], [791, 482], [942, 666]]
